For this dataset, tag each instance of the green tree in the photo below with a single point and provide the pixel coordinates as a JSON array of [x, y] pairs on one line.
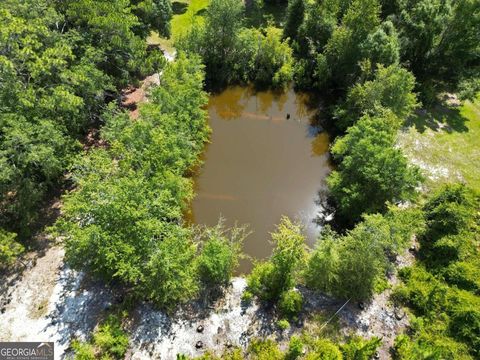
[[382, 46], [270, 279], [274, 61], [219, 254], [323, 264], [343, 48], [10, 249], [58, 61], [124, 221], [171, 275], [371, 170], [440, 40], [294, 18], [391, 88], [222, 25], [154, 15]]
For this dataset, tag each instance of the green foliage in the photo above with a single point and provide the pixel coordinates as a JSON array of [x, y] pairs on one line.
[[382, 46], [234, 54], [343, 48], [264, 350], [290, 303], [295, 348], [274, 61], [294, 18], [109, 341], [360, 349], [10, 249], [324, 349], [155, 15], [451, 210], [283, 324], [391, 88], [323, 264], [264, 58], [216, 42], [219, 254], [124, 220], [270, 279], [371, 170], [110, 338], [58, 60], [353, 265], [83, 351], [442, 289], [363, 262], [439, 39], [171, 274]]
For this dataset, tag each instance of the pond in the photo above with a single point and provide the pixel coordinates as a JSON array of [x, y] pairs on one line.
[[265, 159]]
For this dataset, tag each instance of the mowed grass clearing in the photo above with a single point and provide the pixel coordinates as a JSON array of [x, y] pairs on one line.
[[186, 14], [445, 143]]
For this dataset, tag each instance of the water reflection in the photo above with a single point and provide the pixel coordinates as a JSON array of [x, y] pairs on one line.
[[265, 160]]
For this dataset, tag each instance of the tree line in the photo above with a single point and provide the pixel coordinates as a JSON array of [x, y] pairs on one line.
[[61, 62]]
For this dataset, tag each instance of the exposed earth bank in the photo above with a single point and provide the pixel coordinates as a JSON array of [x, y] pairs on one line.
[[51, 302]]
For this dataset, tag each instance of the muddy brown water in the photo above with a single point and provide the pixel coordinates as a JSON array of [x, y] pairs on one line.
[[260, 165]]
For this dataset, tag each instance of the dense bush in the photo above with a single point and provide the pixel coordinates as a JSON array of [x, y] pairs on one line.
[[235, 54], [58, 60], [10, 249], [110, 341], [124, 220], [391, 88], [436, 40], [219, 254], [290, 303], [270, 279], [371, 169], [351, 265], [442, 289]]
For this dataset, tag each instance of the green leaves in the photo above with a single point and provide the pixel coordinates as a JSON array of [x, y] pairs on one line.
[[391, 88], [270, 279], [57, 61], [124, 221], [232, 53], [442, 288], [371, 170], [10, 249], [219, 254]]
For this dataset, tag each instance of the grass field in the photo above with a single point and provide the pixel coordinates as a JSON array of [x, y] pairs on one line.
[[185, 14], [445, 143], [188, 13]]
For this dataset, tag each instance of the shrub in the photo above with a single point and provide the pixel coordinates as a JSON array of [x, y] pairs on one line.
[[290, 303], [219, 254], [371, 170], [360, 349], [295, 348], [111, 338], [451, 210], [9, 249], [264, 350], [464, 274], [324, 349], [270, 279], [83, 351], [283, 324], [109, 341]]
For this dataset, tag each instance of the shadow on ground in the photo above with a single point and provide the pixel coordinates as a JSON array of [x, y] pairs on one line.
[[179, 8], [439, 117]]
